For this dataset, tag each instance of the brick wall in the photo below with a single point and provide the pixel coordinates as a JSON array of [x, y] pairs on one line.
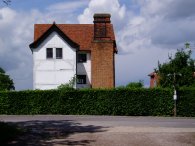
[[102, 64]]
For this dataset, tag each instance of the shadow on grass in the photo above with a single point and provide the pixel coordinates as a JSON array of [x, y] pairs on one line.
[[50, 133]]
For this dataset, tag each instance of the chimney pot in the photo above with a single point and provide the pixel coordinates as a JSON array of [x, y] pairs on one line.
[[101, 17]]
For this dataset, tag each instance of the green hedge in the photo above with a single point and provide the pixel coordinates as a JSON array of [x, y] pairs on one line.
[[186, 102], [129, 102]]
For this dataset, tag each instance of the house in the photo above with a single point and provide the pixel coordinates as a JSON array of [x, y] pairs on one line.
[[86, 52], [154, 79]]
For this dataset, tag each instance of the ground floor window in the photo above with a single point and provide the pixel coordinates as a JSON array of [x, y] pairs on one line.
[[81, 79]]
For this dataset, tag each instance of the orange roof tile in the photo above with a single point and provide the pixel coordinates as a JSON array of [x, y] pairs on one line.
[[82, 34]]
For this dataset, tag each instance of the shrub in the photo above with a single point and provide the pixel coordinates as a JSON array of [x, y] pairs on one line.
[[65, 87], [68, 86]]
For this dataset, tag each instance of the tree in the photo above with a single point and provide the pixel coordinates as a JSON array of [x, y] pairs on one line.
[[179, 71], [5, 82], [135, 85]]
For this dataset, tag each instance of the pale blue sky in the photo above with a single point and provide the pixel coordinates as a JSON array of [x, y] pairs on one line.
[[32, 4], [146, 31], [42, 4]]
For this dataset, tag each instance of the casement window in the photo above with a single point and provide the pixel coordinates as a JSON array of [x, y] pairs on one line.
[[82, 57], [49, 53], [58, 53], [81, 79]]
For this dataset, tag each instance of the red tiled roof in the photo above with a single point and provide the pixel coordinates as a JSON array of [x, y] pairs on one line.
[[81, 34]]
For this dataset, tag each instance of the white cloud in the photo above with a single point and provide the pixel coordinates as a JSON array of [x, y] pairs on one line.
[[168, 8], [14, 54], [65, 12], [103, 6], [6, 16]]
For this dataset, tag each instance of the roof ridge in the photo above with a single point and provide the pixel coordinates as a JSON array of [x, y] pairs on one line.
[[60, 24]]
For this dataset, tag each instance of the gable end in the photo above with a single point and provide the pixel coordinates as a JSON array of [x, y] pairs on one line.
[[53, 28]]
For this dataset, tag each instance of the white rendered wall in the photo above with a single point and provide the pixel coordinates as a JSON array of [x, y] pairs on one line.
[[85, 69], [50, 73]]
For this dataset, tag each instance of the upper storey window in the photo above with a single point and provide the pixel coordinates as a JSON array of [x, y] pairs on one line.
[[49, 53], [82, 57], [58, 53]]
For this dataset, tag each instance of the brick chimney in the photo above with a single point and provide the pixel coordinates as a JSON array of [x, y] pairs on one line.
[[102, 53], [101, 26], [154, 79]]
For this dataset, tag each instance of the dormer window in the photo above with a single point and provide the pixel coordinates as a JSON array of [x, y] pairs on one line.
[[49, 53]]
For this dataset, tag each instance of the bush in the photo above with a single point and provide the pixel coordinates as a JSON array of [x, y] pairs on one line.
[[65, 87], [68, 86], [121, 101]]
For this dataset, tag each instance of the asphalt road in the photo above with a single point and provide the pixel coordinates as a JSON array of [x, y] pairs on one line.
[[58, 130], [180, 122]]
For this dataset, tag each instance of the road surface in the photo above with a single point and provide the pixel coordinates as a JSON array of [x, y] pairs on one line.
[[60, 130]]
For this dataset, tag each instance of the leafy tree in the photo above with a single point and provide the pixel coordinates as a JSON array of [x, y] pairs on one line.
[[135, 85], [178, 71], [5, 82]]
